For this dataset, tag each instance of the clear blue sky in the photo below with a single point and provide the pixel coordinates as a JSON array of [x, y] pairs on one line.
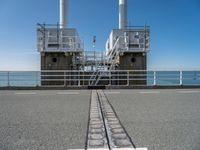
[[175, 29]]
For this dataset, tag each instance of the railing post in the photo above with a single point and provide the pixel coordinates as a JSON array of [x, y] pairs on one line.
[[65, 78], [110, 78], [8, 78], [181, 77], [79, 78], [89, 76], [36, 78], [154, 78], [40, 78], [83, 77], [128, 83]]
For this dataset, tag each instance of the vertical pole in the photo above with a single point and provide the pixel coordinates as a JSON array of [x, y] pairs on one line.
[[8, 77], [36, 78], [104, 61], [118, 78], [110, 78], [181, 77], [89, 76], [79, 78], [94, 49], [65, 78], [83, 77], [154, 78], [95, 60], [128, 83], [39, 78]]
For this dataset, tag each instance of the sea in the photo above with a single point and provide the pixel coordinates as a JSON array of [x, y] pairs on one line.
[[33, 78]]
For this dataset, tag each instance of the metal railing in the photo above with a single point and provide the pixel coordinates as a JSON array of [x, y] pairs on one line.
[[51, 38], [64, 43], [109, 77]]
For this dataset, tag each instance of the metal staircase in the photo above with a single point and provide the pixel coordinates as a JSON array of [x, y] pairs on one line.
[[112, 60]]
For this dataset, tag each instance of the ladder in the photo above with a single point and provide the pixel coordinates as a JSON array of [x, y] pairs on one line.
[[112, 57]]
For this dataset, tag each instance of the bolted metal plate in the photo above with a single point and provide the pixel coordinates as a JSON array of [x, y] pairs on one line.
[[105, 131], [96, 131], [117, 136]]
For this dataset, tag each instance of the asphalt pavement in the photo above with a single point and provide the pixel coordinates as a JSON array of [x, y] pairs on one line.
[[43, 120], [57, 120], [160, 119]]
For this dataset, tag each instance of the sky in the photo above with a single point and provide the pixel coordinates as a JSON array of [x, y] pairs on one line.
[[175, 29]]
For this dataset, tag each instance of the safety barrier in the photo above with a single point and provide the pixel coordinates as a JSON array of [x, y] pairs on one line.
[[89, 78]]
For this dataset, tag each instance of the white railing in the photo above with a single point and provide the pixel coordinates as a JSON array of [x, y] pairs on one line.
[[50, 38], [63, 43], [110, 77]]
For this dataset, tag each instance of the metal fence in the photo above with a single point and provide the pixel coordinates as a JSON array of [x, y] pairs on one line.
[[87, 78]]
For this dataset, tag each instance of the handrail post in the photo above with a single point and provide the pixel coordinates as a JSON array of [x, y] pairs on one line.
[[83, 77], [65, 78], [88, 79], [8, 78], [181, 77], [154, 78], [36, 79], [128, 83], [110, 78], [40, 78], [79, 78]]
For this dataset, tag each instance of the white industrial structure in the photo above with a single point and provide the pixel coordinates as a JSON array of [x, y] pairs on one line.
[[62, 48], [127, 47], [58, 39]]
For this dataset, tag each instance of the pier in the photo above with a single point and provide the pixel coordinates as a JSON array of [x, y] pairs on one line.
[[107, 97]]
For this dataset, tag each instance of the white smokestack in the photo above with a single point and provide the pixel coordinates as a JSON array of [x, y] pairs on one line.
[[122, 14], [63, 13]]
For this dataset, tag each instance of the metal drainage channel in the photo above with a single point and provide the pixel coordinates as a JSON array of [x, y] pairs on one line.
[[105, 130]]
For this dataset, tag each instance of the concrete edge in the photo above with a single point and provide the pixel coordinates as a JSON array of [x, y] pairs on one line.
[[105, 87], [155, 87], [44, 88]]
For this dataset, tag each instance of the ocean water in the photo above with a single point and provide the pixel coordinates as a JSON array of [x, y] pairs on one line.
[[20, 78], [32, 78], [173, 78]]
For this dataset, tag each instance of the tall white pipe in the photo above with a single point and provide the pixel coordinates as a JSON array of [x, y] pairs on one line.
[[63, 13], [122, 14]]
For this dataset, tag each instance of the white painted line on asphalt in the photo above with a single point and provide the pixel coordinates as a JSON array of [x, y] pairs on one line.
[[112, 92], [113, 149], [66, 93], [149, 92], [98, 149], [26, 93], [76, 149], [130, 149], [92, 149], [189, 91]]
